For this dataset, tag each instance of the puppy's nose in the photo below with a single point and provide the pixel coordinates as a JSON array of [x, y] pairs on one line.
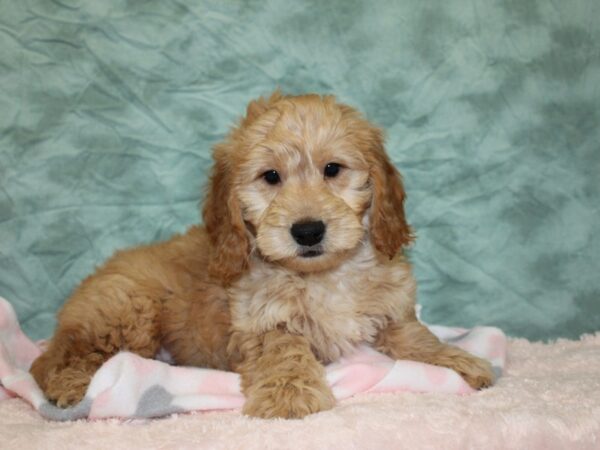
[[308, 232]]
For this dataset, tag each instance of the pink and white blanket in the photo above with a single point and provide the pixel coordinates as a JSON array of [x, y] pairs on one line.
[[128, 386]]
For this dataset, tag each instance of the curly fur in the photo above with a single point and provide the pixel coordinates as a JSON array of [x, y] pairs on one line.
[[239, 293]]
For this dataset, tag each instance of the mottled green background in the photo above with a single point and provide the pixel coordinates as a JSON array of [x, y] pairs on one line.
[[108, 110]]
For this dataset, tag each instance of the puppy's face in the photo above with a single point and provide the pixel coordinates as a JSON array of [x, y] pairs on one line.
[[303, 185], [308, 180]]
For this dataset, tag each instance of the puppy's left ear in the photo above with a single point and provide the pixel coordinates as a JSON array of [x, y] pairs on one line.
[[388, 227], [223, 221]]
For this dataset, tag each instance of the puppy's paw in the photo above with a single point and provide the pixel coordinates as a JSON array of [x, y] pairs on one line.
[[68, 399], [288, 398], [477, 372], [67, 387]]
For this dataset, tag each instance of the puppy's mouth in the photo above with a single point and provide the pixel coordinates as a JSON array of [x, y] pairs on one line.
[[310, 252]]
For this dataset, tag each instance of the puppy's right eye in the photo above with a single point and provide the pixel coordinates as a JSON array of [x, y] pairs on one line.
[[271, 177]]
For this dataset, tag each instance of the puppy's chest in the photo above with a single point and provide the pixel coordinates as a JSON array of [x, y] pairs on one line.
[[334, 313]]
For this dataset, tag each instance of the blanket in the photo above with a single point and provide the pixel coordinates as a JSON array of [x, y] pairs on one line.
[[129, 386], [548, 398]]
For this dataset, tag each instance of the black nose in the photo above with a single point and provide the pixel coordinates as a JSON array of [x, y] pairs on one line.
[[308, 233]]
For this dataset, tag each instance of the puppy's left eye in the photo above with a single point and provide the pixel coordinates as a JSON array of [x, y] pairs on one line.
[[332, 170], [272, 177]]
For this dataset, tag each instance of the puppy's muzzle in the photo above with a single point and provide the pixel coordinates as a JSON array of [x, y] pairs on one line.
[[309, 234]]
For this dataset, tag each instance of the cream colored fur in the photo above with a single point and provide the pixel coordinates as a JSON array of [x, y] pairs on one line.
[[334, 310]]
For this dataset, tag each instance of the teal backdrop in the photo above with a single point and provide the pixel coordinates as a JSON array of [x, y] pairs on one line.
[[108, 111]]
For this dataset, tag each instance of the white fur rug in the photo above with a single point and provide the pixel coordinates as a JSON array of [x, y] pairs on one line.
[[549, 398]]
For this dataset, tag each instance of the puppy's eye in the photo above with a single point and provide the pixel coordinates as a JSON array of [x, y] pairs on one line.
[[271, 177], [332, 170]]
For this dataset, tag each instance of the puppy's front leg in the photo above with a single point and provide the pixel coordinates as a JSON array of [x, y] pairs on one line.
[[281, 377], [412, 340]]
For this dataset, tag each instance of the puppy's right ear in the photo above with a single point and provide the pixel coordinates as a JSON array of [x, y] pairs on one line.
[[223, 221], [221, 211], [257, 107]]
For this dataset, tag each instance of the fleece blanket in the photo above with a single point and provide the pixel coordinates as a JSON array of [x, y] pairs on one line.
[[129, 386], [548, 398]]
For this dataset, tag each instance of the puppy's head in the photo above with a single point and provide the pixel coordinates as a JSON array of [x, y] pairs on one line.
[[303, 181]]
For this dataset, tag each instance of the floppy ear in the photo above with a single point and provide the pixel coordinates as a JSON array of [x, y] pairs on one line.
[[389, 230], [221, 212], [224, 224]]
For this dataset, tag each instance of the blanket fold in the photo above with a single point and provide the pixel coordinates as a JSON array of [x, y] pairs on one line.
[[129, 386]]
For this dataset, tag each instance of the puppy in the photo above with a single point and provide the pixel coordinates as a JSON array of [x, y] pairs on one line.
[[299, 260]]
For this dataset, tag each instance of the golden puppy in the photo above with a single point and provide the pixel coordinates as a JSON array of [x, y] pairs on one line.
[[298, 262]]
